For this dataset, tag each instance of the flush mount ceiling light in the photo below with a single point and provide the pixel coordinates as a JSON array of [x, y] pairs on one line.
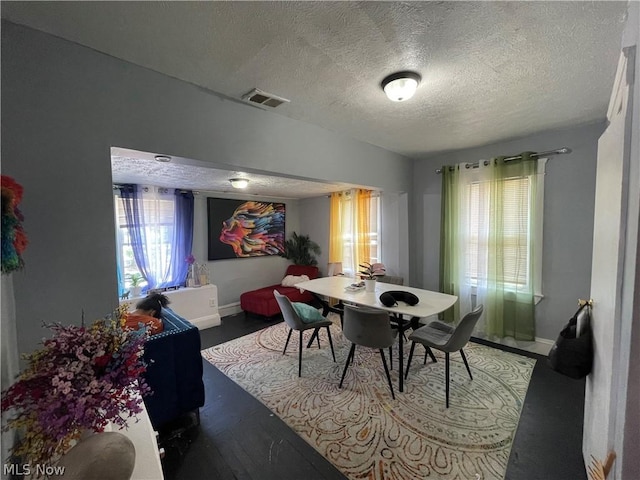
[[162, 158], [401, 86], [239, 182]]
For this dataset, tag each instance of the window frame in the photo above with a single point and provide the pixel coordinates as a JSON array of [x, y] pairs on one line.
[[348, 242], [536, 238], [156, 194]]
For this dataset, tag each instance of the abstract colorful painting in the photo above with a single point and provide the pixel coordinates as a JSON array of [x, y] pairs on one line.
[[244, 228]]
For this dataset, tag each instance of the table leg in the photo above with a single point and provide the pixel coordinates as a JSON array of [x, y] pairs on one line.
[[400, 352]]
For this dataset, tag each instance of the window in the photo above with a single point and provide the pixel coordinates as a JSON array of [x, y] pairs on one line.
[[351, 235], [516, 242], [491, 242], [521, 235], [154, 229], [158, 213]]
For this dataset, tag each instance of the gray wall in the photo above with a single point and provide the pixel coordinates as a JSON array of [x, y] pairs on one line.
[[314, 221], [64, 106], [568, 218]]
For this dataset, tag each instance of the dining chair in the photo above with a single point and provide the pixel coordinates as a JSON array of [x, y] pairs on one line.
[[293, 320], [395, 280], [370, 328], [447, 339]]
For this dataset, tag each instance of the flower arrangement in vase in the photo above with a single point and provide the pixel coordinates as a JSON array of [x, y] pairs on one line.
[[82, 379]]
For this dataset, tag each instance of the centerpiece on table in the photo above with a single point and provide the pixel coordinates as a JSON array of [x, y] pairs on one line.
[[368, 272], [83, 378]]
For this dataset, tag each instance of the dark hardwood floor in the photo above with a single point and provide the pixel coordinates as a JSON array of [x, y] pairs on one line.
[[239, 438]]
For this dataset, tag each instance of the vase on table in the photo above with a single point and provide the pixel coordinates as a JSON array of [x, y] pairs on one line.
[[370, 285]]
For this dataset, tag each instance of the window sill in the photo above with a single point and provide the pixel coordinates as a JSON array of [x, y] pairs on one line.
[[537, 296]]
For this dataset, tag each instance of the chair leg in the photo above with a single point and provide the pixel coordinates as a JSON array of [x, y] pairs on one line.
[[413, 347], [346, 364], [331, 343], [300, 356], [446, 374], [430, 353], [466, 364], [312, 338], [287, 343], [386, 370]]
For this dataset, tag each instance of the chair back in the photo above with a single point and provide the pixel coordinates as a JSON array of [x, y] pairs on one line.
[[463, 330], [290, 316], [391, 279], [368, 327]]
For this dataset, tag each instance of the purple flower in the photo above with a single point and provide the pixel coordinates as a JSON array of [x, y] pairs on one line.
[[94, 373], [190, 259]]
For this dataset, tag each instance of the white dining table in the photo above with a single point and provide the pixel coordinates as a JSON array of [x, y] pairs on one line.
[[430, 303]]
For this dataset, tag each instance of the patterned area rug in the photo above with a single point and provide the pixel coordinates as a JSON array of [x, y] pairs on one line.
[[361, 429]]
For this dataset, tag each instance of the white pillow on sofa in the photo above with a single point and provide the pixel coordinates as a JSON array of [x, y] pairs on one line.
[[292, 280]]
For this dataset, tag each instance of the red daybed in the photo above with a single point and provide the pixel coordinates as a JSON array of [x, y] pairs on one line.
[[263, 302]]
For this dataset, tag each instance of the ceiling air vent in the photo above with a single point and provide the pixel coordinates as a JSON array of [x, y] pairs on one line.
[[263, 98]]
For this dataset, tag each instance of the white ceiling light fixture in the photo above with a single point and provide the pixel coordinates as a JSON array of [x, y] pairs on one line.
[[239, 182], [401, 86], [162, 158]]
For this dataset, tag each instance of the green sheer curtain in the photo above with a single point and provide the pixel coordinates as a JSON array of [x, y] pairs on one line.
[[488, 216], [449, 239], [509, 306]]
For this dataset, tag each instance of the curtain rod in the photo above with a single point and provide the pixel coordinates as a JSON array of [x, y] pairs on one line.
[[518, 157], [195, 192]]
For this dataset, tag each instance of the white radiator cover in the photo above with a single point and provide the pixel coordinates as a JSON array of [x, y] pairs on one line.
[[199, 305]]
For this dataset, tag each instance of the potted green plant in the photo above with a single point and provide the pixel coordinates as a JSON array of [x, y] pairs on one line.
[[368, 272], [301, 250], [136, 280]]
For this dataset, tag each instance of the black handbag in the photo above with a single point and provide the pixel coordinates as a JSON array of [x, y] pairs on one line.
[[572, 355]]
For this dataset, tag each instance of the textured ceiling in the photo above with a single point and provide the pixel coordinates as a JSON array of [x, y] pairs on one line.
[[491, 70], [131, 166]]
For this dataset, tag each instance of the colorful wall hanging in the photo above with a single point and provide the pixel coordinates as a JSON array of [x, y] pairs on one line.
[[244, 228], [14, 239]]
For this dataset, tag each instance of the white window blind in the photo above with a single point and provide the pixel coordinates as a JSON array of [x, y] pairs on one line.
[[516, 201]]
